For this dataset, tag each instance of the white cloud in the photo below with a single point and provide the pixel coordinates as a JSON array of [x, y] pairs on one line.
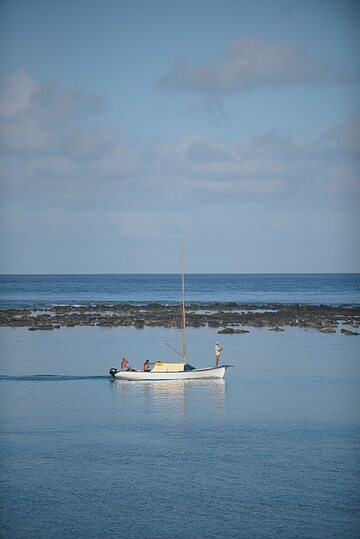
[[90, 143], [17, 90], [88, 164], [271, 165], [35, 117], [23, 96], [248, 62], [49, 145]]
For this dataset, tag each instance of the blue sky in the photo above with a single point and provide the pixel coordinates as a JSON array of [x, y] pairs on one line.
[[129, 127]]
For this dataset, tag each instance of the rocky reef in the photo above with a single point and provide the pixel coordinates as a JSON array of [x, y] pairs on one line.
[[226, 316]]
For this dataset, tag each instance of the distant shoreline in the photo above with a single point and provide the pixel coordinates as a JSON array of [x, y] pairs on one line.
[[225, 316]]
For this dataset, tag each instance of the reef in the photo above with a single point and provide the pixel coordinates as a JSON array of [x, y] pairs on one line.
[[225, 316]]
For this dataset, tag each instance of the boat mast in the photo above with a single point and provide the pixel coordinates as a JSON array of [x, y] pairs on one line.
[[183, 305]]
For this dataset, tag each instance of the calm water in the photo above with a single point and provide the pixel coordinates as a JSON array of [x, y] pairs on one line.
[[35, 290], [272, 451]]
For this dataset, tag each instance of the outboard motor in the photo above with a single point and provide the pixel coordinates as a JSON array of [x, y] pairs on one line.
[[113, 372]]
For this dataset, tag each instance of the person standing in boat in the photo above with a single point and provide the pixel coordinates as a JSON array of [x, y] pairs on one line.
[[218, 349]]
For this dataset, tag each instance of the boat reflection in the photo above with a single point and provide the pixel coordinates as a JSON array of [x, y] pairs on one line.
[[174, 398]]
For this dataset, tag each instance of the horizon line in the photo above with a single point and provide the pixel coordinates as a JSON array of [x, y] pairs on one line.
[[195, 273]]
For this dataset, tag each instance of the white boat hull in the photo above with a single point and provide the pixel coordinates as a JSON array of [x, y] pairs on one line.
[[196, 374]]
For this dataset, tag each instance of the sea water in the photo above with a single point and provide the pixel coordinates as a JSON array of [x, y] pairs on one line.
[[40, 290], [271, 451]]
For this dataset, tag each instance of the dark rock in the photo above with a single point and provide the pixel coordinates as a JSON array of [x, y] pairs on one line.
[[139, 324], [218, 315], [35, 328], [276, 329], [348, 332], [213, 324], [328, 330], [230, 331]]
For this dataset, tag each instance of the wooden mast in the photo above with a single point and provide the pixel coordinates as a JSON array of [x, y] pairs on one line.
[[183, 305]]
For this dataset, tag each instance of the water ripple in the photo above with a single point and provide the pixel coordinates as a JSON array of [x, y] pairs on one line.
[[48, 378]]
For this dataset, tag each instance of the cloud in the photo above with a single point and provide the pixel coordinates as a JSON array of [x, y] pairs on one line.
[[249, 62], [24, 96], [346, 136], [80, 164], [273, 165], [91, 143], [35, 117], [49, 143]]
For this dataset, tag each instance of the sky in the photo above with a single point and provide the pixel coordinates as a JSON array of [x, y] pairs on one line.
[[129, 127]]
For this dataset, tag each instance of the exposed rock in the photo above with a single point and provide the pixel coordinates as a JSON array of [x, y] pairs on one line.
[[328, 330], [213, 324], [218, 315], [276, 329], [348, 332], [139, 324], [35, 328], [231, 331]]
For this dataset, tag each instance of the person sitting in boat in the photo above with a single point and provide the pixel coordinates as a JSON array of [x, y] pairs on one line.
[[147, 365], [125, 364], [218, 349]]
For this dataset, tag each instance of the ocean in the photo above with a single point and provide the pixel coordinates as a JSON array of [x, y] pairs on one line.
[[270, 451], [39, 290]]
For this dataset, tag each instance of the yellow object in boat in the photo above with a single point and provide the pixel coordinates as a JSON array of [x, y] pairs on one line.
[[161, 366]]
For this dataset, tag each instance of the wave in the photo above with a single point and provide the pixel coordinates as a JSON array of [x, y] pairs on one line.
[[49, 378]]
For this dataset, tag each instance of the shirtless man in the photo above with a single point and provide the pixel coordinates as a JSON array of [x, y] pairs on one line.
[[218, 349], [147, 365], [124, 364]]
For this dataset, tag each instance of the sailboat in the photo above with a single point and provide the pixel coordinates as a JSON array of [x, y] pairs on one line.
[[166, 370]]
